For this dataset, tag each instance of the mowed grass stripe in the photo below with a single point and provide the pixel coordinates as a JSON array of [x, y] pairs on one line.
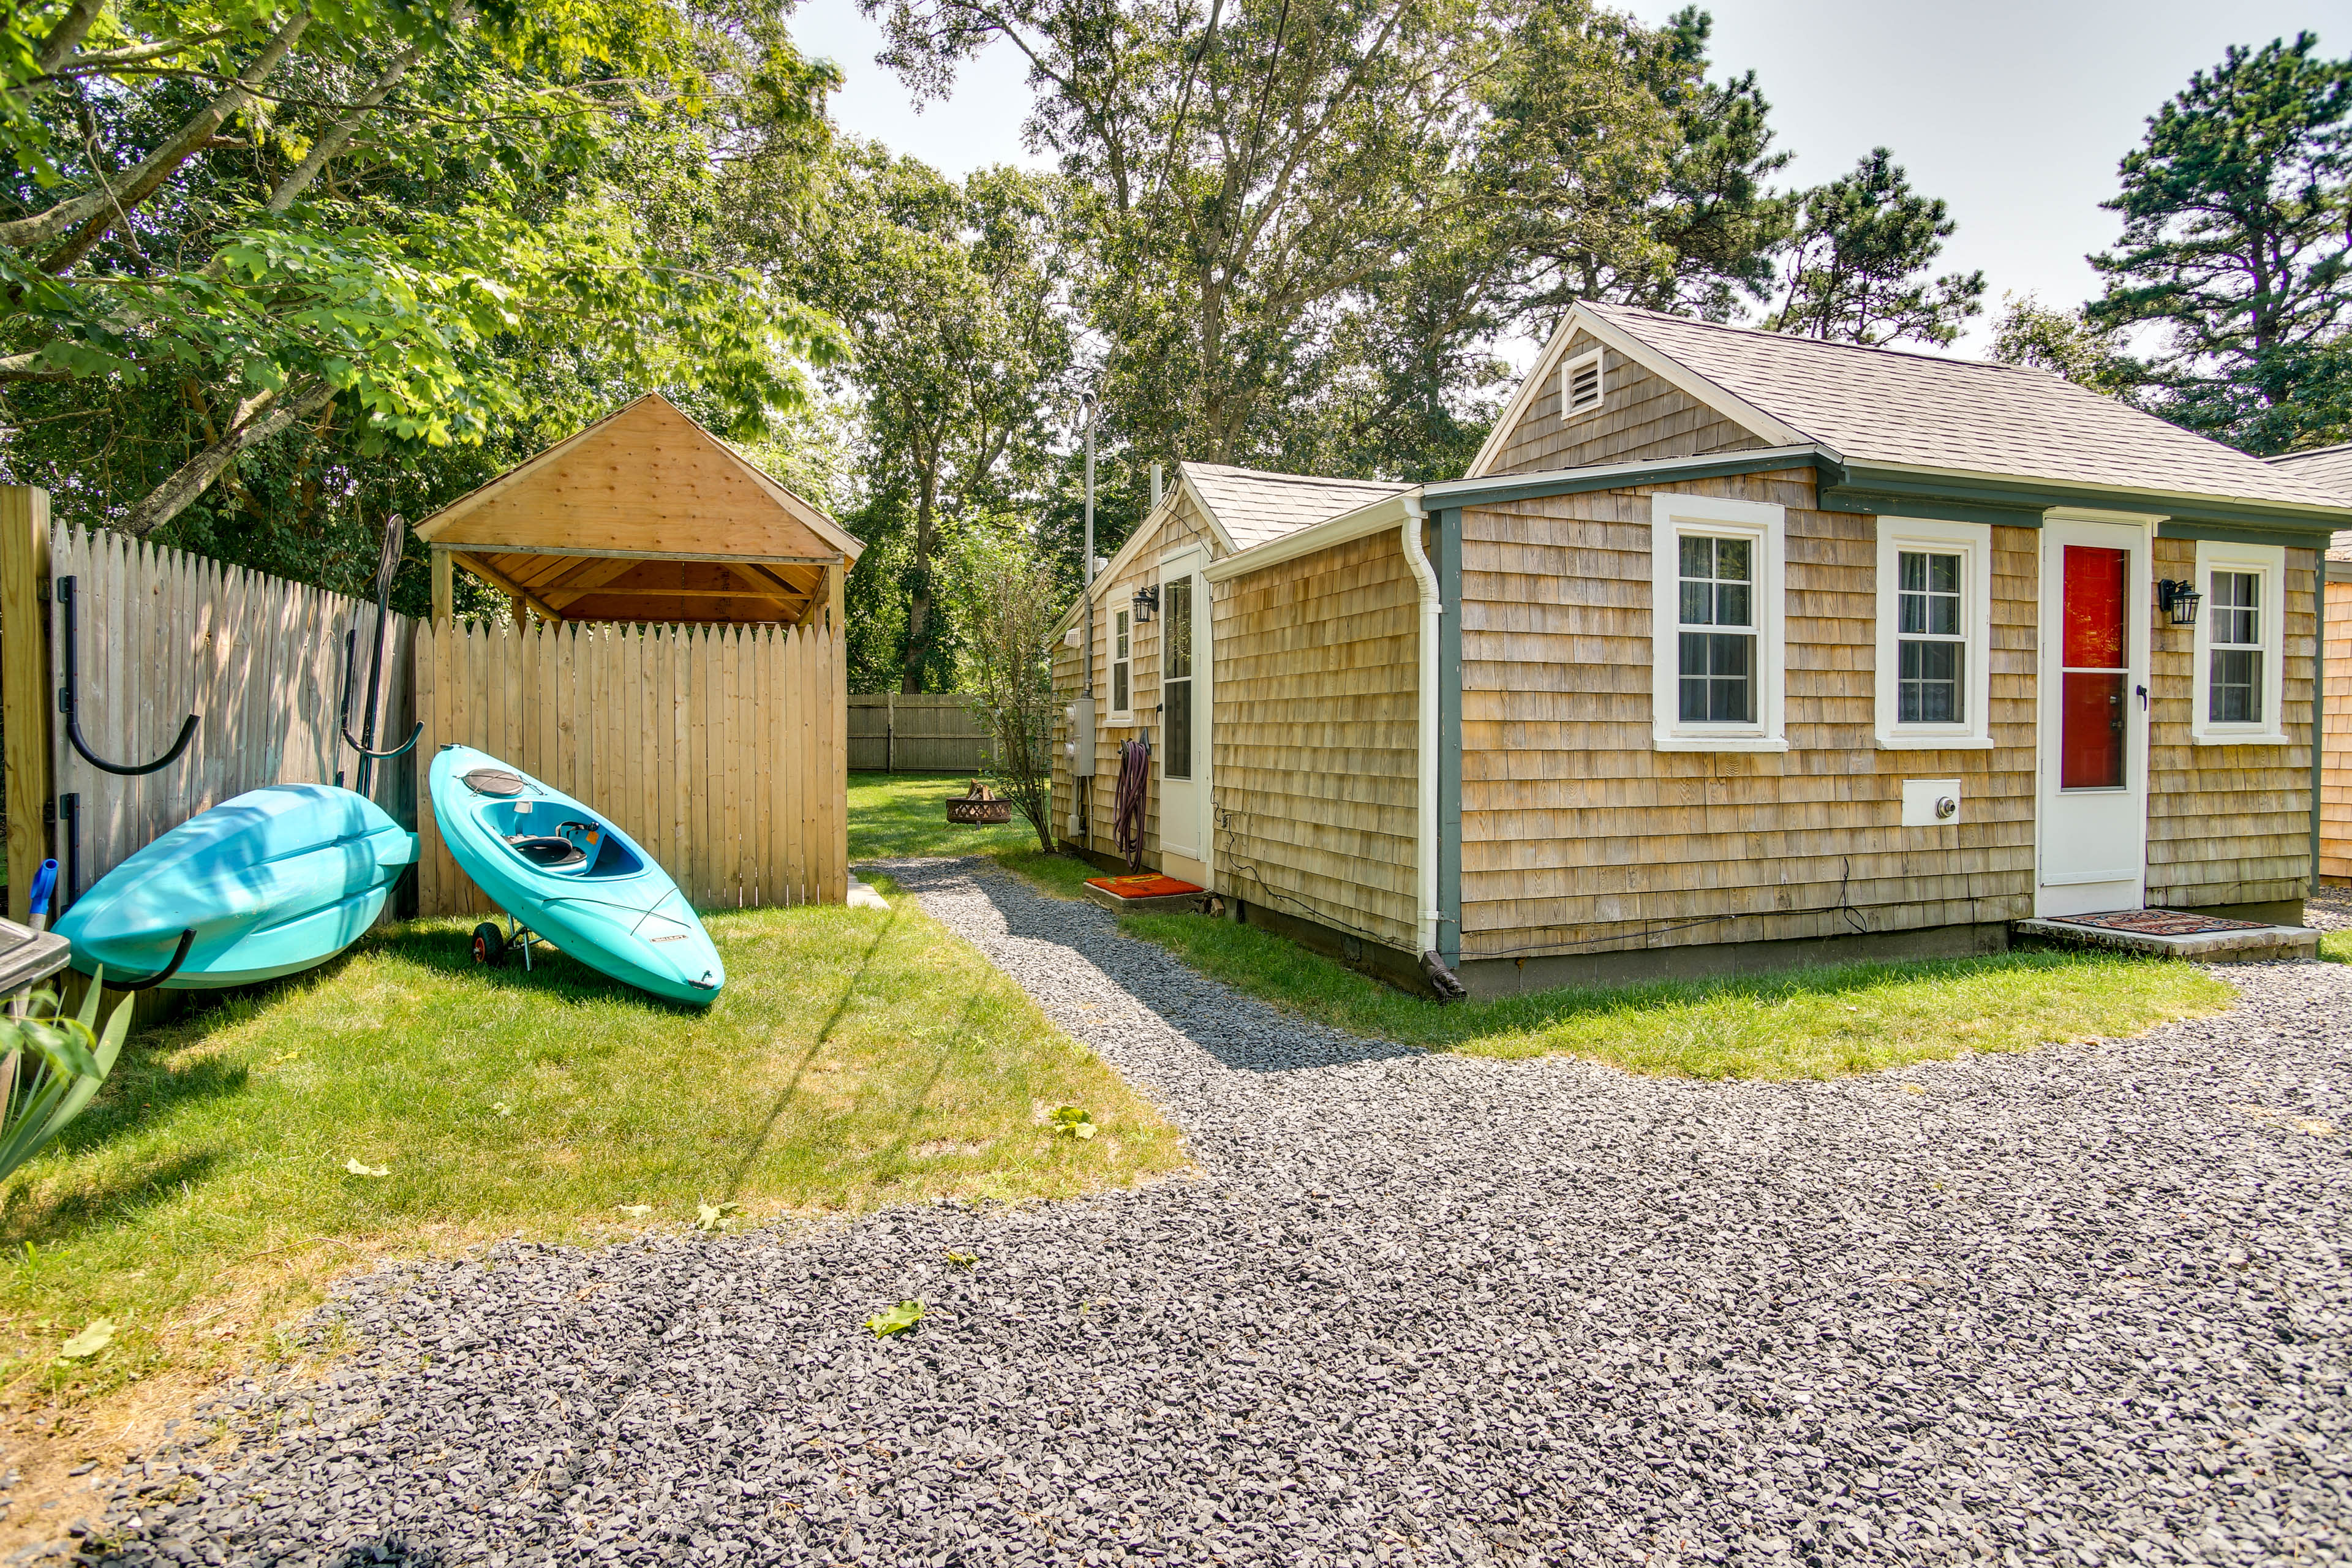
[[856, 1057]]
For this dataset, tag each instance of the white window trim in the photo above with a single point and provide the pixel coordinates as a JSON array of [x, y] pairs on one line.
[[1672, 516], [1568, 378], [1123, 718], [2268, 562], [1973, 541]]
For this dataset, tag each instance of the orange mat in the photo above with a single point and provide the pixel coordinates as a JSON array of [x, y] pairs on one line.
[[1149, 885]]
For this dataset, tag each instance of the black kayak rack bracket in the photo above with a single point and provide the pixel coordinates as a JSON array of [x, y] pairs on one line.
[[351, 641], [179, 957], [67, 698]]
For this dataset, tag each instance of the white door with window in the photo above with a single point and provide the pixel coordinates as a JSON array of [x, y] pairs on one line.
[[2092, 824], [1185, 849]]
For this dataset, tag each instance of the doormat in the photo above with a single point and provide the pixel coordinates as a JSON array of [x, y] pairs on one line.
[[1148, 884], [2159, 922]]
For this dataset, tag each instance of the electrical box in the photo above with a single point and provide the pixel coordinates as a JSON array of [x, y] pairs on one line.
[[1931, 802], [1079, 746]]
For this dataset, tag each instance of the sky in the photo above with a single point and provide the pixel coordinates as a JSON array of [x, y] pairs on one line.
[[2016, 116]]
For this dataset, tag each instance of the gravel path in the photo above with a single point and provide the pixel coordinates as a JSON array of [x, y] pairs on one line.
[[2330, 909], [2085, 1306]]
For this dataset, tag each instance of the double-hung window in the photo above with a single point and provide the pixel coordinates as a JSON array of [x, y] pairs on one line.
[[2238, 650], [1716, 635], [1934, 612], [1121, 703], [1716, 625]]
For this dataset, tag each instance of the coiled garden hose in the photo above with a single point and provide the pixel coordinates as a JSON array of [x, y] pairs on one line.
[[1134, 780]]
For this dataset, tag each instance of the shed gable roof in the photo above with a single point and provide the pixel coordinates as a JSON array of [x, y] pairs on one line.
[[1903, 409], [647, 479], [2329, 469]]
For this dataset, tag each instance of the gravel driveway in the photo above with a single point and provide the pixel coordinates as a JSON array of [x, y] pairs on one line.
[[2087, 1305]]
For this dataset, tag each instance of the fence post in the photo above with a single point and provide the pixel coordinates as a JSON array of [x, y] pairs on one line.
[[25, 682], [890, 731]]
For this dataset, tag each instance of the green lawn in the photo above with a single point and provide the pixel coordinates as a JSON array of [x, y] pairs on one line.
[[855, 1057], [1809, 1023], [2336, 946], [898, 815], [1815, 1023]]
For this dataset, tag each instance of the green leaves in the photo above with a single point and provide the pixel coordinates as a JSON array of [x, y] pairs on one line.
[[96, 1337], [1858, 273], [712, 1218], [50, 1067], [509, 232], [1070, 1121], [2235, 211], [964, 1259], [896, 1320]]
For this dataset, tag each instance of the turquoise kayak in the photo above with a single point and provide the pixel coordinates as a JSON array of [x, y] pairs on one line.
[[564, 873], [270, 883]]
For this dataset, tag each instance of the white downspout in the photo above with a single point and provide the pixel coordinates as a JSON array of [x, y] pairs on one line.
[[1425, 815]]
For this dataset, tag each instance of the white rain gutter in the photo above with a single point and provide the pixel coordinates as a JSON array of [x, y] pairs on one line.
[[1424, 831]]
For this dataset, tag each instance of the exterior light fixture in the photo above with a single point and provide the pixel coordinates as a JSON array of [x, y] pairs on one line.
[[1147, 604], [2179, 600]]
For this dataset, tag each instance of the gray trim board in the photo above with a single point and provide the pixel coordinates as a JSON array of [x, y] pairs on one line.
[[1879, 503], [1502, 488], [2232, 533]]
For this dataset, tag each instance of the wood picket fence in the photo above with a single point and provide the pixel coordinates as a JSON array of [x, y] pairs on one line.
[[162, 634], [719, 749]]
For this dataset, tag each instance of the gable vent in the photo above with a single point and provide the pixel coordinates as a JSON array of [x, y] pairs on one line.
[[1579, 386]]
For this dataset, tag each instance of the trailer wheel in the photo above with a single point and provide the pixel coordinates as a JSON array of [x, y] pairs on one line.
[[489, 945]]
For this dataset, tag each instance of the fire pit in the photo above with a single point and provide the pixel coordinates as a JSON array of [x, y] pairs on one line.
[[979, 806]]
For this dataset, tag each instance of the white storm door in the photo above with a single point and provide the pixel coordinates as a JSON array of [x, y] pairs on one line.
[[2091, 819], [1184, 675]]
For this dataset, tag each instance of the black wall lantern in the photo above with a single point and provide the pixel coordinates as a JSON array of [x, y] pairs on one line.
[[2179, 600], [1147, 604]]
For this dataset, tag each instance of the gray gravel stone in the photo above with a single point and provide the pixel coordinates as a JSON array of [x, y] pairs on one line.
[[2087, 1305]]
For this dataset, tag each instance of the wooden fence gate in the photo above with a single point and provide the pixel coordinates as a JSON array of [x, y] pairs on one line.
[[719, 749], [159, 635]]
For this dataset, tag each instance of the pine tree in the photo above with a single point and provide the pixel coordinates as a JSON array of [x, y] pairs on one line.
[[1855, 274], [2234, 239]]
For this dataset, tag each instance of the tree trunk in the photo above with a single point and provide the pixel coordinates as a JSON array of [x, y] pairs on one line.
[[257, 420], [91, 214], [919, 603]]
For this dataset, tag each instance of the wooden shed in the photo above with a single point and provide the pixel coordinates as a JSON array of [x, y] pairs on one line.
[[674, 655], [1734, 650]]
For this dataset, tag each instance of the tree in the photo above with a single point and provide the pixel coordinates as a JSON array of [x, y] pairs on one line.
[[406, 226], [1854, 273], [1247, 175], [1011, 600], [2235, 214], [2063, 343], [1692, 224], [952, 294]]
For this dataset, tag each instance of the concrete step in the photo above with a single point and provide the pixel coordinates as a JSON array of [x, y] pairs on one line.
[[2247, 944]]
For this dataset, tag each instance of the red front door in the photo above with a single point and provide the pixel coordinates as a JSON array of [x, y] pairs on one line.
[[2093, 669]]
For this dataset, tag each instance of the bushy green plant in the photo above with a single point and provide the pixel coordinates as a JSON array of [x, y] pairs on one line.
[[50, 1066]]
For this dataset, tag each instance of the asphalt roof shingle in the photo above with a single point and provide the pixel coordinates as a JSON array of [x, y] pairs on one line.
[[1887, 406], [2330, 468], [1254, 506]]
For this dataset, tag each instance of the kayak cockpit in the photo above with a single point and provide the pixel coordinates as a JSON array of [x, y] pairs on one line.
[[551, 842]]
